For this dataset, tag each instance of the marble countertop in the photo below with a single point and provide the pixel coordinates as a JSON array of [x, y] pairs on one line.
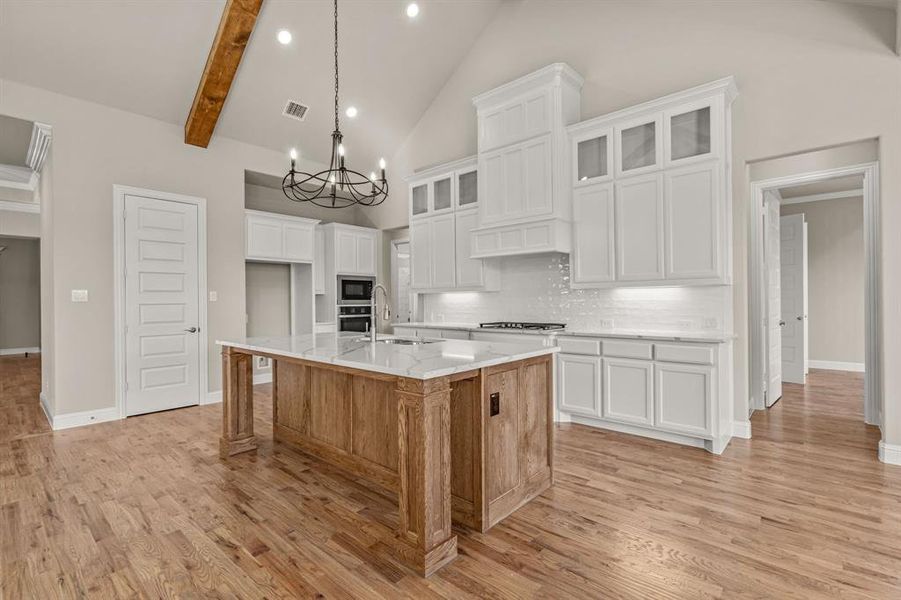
[[425, 361], [646, 334]]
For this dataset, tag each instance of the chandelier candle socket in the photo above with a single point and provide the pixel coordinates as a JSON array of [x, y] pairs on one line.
[[322, 188]]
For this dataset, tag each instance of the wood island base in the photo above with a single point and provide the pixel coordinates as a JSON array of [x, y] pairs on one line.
[[468, 448]]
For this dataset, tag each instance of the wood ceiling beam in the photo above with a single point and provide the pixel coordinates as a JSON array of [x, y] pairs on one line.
[[235, 28]]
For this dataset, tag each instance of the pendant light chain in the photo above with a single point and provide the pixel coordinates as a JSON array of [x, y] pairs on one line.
[[336, 66]]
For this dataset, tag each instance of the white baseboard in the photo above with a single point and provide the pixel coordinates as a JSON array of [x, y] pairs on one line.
[[44, 405], [741, 429], [12, 351], [88, 417], [665, 436], [835, 365], [212, 398], [890, 454]]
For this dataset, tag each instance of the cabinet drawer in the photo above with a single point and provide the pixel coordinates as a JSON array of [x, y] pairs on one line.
[[683, 353], [579, 345], [450, 334], [628, 349]]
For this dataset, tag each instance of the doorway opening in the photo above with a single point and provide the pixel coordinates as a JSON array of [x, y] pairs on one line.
[[813, 296]]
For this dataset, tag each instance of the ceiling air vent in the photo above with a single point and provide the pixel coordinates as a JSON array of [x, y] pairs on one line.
[[295, 110]]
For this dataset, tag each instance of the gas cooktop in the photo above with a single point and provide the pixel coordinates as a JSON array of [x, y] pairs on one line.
[[522, 325]]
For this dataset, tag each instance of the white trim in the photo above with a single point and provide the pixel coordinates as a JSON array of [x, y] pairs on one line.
[[741, 429], [835, 365], [88, 417], [41, 134], [890, 454], [13, 351], [119, 193], [24, 207], [18, 178], [214, 397], [44, 405], [872, 380], [824, 196]]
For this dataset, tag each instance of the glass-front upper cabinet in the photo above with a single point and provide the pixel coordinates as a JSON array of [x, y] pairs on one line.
[[638, 146], [419, 199], [691, 133], [592, 157], [467, 188], [443, 198]]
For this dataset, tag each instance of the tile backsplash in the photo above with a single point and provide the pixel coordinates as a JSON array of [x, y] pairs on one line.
[[536, 288]]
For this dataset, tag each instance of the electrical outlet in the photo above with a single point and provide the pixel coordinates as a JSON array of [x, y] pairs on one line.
[[685, 324], [710, 323], [79, 295], [606, 323], [263, 362]]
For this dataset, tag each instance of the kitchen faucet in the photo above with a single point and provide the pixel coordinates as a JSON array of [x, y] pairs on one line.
[[374, 318]]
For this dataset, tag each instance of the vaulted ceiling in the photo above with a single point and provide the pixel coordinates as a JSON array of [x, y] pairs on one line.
[[147, 57]]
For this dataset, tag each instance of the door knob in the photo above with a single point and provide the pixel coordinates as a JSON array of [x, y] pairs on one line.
[[800, 318], [191, 330], [781, 323]]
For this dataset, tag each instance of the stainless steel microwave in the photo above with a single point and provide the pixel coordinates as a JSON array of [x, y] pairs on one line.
[[355, 290]]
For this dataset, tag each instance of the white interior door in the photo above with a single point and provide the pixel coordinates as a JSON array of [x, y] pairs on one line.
[[773, 325], [162, 308], [794, 287]]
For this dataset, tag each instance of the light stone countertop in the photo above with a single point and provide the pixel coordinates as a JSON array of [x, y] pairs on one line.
[[425, 361], [641, 334]]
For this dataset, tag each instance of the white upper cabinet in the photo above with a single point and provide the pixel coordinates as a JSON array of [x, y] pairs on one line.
[[432, 195], [470, 271], [594, 235], [273, 237], [319, 261], [467, 188], [354, 249], [443, 241], [639, 228], [669, 163], [639, 147], [524, 197], [420, 255], [419, 199]]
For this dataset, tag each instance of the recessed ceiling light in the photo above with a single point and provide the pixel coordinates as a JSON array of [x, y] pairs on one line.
[[351, 111], [412, 9], [284, 37]]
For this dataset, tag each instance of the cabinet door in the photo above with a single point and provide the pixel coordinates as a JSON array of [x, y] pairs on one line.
[[365, 249], [579, 384], [467, 188], [692, 132], [298, 242], [264, 238], [592, 157], [593, 234], [319, 261], [420, 255], [638, 146], [629, 391], [443, 241], [684, 402], [639, 228], [443, 194], [692, 221], [493, 186], [345, 252], [419, 199], [536, 177], [470, 271]]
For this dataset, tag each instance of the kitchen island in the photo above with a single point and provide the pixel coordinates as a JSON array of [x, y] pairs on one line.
[[461, 431]]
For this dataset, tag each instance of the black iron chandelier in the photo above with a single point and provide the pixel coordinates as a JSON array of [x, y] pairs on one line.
[[337, 186]]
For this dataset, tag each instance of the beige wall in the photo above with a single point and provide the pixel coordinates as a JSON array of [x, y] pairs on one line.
[[95, 147], [267, 199], [20, 293], [810, 75], [835, 278], [268, 300]]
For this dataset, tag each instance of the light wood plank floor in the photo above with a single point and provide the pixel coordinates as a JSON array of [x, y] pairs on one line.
[[145, 508]]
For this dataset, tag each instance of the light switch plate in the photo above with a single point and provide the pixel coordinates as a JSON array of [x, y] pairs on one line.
[[214, 295], [79, 295]]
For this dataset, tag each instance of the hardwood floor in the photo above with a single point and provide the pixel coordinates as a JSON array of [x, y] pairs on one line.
[[146, 508]]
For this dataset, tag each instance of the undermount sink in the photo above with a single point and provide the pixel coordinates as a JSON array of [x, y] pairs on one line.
[[400, 341]]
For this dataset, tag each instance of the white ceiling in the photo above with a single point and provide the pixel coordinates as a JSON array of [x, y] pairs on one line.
[[147, 57]]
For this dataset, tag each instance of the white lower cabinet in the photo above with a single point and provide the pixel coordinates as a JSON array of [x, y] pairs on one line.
[[629, 391], [430, 332], [684, 401], [579, 384]]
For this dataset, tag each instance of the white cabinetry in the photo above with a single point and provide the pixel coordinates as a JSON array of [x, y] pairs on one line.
[[354, 248], [524, 196], [629, 390], [676, 391], [272, 237], [428, 332], [670, 167], [444, 204], [319, 261]]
